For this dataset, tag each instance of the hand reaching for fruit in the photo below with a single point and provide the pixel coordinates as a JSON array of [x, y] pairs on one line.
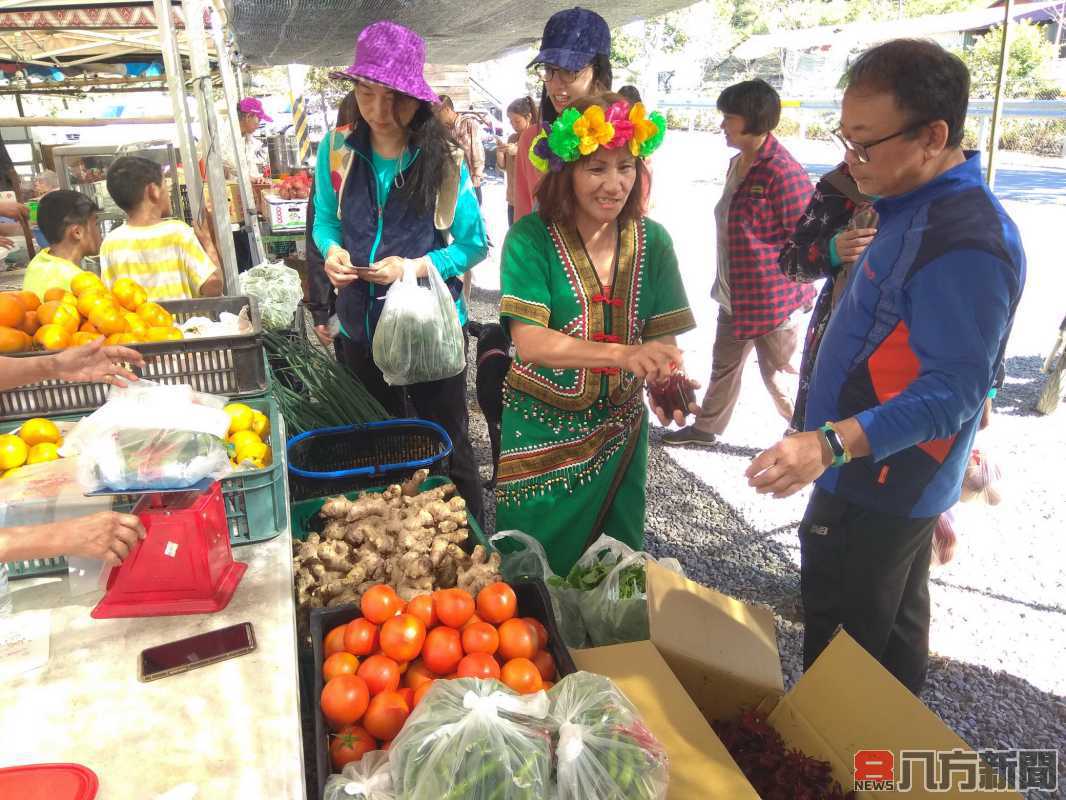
[[97, 363]]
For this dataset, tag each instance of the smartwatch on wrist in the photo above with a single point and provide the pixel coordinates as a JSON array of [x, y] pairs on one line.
[[841, 456]]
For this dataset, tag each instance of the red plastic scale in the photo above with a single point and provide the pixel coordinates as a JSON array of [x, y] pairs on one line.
[[48, 782], [183, 566]]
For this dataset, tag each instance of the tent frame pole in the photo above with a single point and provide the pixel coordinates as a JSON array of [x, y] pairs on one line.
[[1001, 88]]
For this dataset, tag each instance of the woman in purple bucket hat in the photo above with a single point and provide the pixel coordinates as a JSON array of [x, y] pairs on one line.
[[393, 193]]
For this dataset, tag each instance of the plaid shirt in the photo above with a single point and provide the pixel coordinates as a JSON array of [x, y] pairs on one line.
[[762, 217], [467, 133]]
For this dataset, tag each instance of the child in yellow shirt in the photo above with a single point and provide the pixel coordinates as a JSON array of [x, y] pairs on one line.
[[68, 221], [165, 256]]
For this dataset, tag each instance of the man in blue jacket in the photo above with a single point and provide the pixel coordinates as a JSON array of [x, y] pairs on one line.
[[906, 362]]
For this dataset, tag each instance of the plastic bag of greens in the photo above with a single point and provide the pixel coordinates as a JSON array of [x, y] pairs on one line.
[[523, 556], [604, 750], [418, 338], [614, 606], [474, 740], [279, 291], [146, 459], [368, 778]]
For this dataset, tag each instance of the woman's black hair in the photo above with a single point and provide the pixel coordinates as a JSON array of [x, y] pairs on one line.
[[602, 79], [348, 110], [525, 107], [755, 101]]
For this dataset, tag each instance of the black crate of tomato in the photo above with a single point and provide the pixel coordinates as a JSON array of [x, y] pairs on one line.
[[330, 461], [533, 601]]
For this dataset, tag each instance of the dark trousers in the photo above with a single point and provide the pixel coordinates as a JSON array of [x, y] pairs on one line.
[[443, 402], [510, 215], [869, 572]]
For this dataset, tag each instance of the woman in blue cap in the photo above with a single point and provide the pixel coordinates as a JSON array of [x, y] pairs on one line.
[[574, 61], [392, 194]]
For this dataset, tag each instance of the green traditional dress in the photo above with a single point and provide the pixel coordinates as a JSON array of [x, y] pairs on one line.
[[574, 444]]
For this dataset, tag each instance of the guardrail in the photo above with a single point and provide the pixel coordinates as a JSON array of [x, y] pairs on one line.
[[1048, 109]]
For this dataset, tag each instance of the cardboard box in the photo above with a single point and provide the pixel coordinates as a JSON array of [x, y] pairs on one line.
[[283, 215], [234, 205], [844, 704]]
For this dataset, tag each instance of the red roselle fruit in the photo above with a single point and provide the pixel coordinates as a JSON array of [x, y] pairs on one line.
[[673, 394]]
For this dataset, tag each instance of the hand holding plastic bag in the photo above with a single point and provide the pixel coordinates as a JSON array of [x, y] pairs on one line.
[[279, 291], [604, 750], [982, 479], [366, 779], [474, 740], [418, 338]]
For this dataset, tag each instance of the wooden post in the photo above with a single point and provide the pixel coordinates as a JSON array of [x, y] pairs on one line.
[[1001, 87]]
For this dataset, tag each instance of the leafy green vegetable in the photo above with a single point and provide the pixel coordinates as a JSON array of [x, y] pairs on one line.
[[631, 580]]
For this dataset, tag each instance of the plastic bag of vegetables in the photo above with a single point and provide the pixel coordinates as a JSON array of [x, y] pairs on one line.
[[474, 740], [368, 778], [604, 750], [614, 601], [418, 337], [524, 556], [279, 291]]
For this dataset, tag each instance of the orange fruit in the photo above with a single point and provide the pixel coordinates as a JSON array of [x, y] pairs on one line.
[[12, 340], [160, 333], [52, 337], [13, 452], [30, 301], [85, 282], [155, 315], [88, 327], [129, 294], [67, 316], [30, 324], [121, 338], [12, 311], [83, 337], [55, 293], [108, 320], [90, 300], [37, 430], [135, 324], [46, 311]]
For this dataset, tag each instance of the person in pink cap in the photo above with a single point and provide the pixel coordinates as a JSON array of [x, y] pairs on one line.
[[393, 193], [250, 115]]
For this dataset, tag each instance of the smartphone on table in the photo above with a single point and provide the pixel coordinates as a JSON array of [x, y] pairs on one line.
[[196, 651]]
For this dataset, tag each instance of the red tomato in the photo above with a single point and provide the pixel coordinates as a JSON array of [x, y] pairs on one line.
[[386, 715], [422, 607], [417, 674], [344, 699], [548, 684], [339, 664], [545, 664], [442, 651], [380, 602], [421, 691], [408, 695], [334, 641], [542, 632], [518, 639], [480, 638], [478, 665], [522, 675], [361, 637], [381, 674], [453, 606], [402, 637], [351, 744], [474, 620], [496, 603]]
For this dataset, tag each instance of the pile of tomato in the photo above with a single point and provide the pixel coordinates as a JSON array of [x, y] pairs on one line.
[[379, 667]]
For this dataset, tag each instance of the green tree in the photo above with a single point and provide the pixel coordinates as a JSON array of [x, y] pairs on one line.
[[1030, 51]]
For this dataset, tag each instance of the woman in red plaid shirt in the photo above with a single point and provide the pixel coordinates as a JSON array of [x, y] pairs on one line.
[[765, 193]]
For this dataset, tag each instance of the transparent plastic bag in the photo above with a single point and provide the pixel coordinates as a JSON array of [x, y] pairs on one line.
[[418, 337], [604, 751], [279, 291], [531, 560], [474, 740], [147, 459], [982, 480], [368, 778], [945, 537]]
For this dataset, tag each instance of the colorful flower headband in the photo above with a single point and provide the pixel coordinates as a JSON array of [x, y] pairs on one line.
[[575, 134]]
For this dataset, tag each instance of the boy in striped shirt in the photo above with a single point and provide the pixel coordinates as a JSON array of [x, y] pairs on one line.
[[168, 258]]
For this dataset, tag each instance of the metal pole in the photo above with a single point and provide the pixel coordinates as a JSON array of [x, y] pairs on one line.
[[1001, 87], [216, 178], [229, 92], [179, 102], [18, 104]]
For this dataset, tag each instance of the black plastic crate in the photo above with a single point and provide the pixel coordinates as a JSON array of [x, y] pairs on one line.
[[349, 458], [233, 366], [533, 601]]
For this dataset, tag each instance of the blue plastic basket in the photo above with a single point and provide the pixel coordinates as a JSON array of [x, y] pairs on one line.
[[337, 460]]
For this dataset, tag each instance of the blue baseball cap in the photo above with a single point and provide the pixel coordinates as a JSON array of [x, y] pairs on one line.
[[572, 38]]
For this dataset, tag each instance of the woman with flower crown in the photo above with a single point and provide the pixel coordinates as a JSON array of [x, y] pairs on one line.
[[593, 297]]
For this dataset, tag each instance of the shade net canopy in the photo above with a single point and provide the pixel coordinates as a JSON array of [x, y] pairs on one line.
[[323, 32]]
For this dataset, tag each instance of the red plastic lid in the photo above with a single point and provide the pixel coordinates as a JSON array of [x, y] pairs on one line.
[[49, 782]]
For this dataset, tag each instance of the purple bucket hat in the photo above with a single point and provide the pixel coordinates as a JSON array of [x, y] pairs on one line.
[[393, 56]]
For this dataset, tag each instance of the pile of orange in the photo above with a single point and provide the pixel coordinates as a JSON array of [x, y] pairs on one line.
[[89, 310], [37, 440]]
